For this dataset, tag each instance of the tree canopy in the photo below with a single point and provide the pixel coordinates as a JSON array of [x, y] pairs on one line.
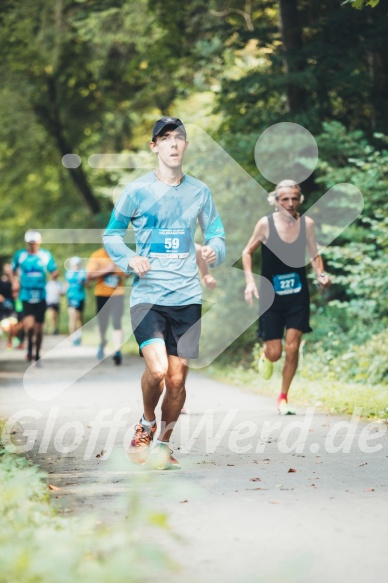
[[91, 76]]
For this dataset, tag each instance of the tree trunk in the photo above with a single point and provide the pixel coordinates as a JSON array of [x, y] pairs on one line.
[[294, 61], [377, 55], [50, 117]]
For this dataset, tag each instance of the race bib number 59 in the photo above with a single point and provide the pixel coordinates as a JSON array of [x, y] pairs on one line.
[[170, 243]]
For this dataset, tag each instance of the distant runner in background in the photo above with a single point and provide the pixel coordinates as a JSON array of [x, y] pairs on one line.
[[32, 265], [54, 291], [8, 318], [109, 292], [75, 278]]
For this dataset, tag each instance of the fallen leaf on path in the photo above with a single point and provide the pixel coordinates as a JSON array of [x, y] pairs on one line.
[[292, 470], [182, 501], [364, 464], [51, 487], [274, 502], [370, 490], [256, 488], [255, 479], [230, 465], [102, 453], [266, 461]]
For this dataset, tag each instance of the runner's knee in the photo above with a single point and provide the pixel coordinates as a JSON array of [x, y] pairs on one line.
[[273, 353], [174, 383], [157, 374], [292, 347]]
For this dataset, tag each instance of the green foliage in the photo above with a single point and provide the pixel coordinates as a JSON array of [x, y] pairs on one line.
[[365, 363], [360, 4], [360, 259], [317, 384], [37, 545], [339, 67]]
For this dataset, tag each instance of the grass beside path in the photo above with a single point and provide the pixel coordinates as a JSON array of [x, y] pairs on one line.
[[310, 387], [37, 545]]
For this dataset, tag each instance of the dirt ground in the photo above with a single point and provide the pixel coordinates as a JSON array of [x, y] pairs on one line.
[[259, 497]]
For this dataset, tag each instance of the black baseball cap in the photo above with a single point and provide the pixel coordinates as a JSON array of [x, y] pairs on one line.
[[164, 122]]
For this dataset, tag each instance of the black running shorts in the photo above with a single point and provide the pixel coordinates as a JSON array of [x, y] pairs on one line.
[[274, 321], [110, 306], [179, 327], [37, 310]]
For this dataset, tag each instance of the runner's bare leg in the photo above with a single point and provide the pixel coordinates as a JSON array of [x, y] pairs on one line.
[[152, 382], [175, 395], [292, 343]]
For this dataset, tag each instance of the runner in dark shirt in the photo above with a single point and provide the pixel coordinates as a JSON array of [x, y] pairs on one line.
[[284, 237]]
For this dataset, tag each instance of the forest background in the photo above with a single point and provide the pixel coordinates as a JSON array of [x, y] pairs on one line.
[[92, 76]]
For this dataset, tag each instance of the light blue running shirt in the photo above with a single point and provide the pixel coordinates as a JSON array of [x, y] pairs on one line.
[[164, 219], [76, 291], [33, 273]]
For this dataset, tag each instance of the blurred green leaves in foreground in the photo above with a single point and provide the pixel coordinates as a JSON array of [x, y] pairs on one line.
[[63, 549]]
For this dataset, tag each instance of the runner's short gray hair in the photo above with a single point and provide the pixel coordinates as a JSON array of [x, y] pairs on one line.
[[273, 196]]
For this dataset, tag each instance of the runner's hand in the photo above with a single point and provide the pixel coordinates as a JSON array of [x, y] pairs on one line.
[[208, 254], [324, 280], [249, 290], [209, 281], [140, 265]]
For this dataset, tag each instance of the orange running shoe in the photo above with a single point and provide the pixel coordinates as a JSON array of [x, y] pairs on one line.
[[138, 449]]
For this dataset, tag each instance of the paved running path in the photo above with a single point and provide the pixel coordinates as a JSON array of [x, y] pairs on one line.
[[242, 514]]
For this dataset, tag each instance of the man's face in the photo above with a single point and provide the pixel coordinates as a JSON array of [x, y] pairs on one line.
[[170, 147], [288, 200], [33, 247]]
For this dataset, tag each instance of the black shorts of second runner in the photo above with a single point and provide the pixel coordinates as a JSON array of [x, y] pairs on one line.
[[55, 307], [273, 322], [179, 327], [110, 305], [37, 310]]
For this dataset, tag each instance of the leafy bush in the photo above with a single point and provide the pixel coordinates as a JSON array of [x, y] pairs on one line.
[[38, 546], [366, 363]]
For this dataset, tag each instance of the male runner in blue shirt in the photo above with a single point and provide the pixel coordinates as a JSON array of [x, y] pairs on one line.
[[163, 208], [32, 265]]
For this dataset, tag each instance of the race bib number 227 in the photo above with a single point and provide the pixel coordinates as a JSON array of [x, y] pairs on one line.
[[287, 283]]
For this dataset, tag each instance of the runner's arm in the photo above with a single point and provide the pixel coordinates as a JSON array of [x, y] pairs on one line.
[[15, 264], [213, 231], [258, 236], [113, 238], [207, 279], [316, 260]]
